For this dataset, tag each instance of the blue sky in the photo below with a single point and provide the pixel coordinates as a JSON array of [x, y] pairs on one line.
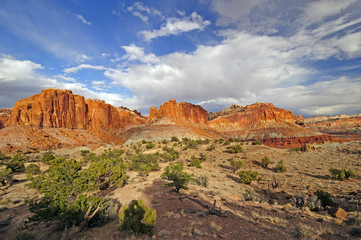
[[304, 56]]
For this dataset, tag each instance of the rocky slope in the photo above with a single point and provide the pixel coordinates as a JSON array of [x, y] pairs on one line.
[[340, 125], [260, 121]]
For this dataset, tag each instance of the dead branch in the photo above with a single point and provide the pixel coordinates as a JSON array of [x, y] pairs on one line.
[[211, 209], [69, 234]]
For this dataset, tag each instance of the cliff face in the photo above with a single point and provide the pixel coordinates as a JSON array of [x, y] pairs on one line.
[[250, 115], [4, 117], [180, 111], [54, 108]]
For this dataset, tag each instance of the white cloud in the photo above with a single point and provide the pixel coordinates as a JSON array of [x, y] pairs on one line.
[[318, 10], [64, 77], [82, 19], [232, 10], [141, 11], [175, 26], [83, 66], [134, 53]]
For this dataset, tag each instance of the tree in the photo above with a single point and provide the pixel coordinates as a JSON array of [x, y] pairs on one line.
[[175, 174]]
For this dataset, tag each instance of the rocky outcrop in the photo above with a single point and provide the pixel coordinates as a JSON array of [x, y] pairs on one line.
[[348, 126], [180, 111], [4, 117], [232, 109], [54, 108], [293, 142]]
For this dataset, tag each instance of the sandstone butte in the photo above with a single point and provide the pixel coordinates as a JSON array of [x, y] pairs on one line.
[[180, 111], [250, 115], [4, 117], [54, 108]]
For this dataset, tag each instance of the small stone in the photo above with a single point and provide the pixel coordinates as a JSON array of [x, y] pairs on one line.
[[163, 233], [338, 213]]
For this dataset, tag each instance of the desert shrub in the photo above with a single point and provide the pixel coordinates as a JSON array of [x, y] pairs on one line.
[[211, 147], [257, 142], [342, 174], [265, 162], [195, 162], [150, 145], [169, 154], [202, 157], [175, 174], [47, 157], [63, 198], [202, 180], [324, 197], [108, 213], [280, 167], [206, 141], [16, 163], [174, 139], [236, 164], [105, 172], [138, 218], [221, 140], [227, 142], [4, 158], [6, 176], [236, 148], [144, 163], [247, 176], [83, 153], [32, 169], [250, 195], [311, 202]]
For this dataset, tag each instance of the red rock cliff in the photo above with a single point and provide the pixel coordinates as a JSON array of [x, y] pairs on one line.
[[4, 117], [54, 108], [182, 111], [253, 114]]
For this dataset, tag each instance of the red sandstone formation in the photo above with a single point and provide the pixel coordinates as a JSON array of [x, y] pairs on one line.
[[348, 126], [4, 117], [54, 108], [180, 111], [293, 142]]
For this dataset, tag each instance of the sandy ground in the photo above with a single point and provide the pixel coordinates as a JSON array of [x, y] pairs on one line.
[[268, 216]]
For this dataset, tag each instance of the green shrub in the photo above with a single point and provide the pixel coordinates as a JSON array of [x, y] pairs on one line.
[[47, 157], [6, 176], [32, 169], [211, 147], [342, 174], [169, 154], [311, 202], [221, 140], [175, 174], [227, 142], [257, 142], [138, 218], [324, 197], [174, 139], [144, 163], [280, 167], [16, 163], [83, 153], [247, 176], [236, 164], [250, 195], [150, 145], [195, 162], [105, 172], [4, 158], [202, 157], [63, 187], [236, 148], [265, 162]]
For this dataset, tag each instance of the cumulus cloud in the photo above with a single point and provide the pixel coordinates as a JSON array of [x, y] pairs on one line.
[[175, 26], [83, 66], [239, 67], [82, 19]]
